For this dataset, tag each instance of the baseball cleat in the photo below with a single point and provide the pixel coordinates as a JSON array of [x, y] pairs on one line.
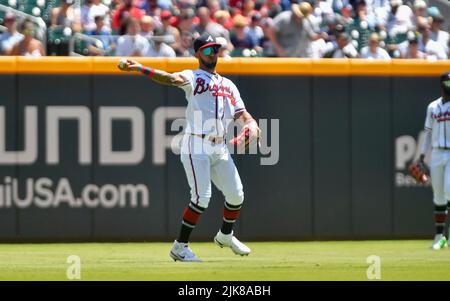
[[228, 240], [440, 242], [181, 251]]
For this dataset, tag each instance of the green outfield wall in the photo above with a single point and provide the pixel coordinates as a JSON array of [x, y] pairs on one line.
[[85, 151]]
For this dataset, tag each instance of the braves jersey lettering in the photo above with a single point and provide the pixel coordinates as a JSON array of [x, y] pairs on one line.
[[215, 89], [441, 116], [215, 97], [437, 120], [200, 86]]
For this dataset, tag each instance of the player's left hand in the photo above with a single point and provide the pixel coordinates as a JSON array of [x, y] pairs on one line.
[[419, 171], [250, 132]]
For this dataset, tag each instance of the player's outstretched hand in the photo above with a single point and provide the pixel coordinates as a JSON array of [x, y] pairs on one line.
[[128, 65]]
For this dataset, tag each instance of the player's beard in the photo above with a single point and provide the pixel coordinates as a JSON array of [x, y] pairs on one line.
[[445, 92], [210, 65]]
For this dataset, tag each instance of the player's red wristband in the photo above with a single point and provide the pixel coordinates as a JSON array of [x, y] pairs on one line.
[[148, 71]]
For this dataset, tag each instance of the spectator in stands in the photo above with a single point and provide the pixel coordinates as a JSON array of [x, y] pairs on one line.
[[437, 34], [239, 36], [223, 50], [186, 21], [346, 17], [160, 45], [151, 8], [363, 15], [432, 49], [103, 34], [11, 37], [255, 31], [168, 29], [412, 50], [288, 33], [28, 46], [125, 12], [132, 44], [379, 9], [248, 9], [223, 18], [206, 25], [373, 50], [343, 49], [147, 26], [66, 16], [91, 9], [332, 27], [399, 20], [186, 45], [101, 9], [213, 6], [315, 38], [313, 21], [420, 11], [87, 18], [266, 43]]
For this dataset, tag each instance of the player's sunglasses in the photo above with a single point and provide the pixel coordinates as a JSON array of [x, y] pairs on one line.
[[207, 51]]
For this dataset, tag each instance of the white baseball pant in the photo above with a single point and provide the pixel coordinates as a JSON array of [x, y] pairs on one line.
[[440, 175], [204, 161]]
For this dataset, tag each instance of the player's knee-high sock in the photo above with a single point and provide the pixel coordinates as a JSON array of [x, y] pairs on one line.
[[440, 217], [190, 218], [230, 215]]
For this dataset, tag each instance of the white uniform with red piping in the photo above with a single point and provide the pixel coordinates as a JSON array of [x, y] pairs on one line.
[[213, 101]]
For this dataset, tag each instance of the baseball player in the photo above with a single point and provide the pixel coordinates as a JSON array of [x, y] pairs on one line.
[[437, 129], [213, 102]]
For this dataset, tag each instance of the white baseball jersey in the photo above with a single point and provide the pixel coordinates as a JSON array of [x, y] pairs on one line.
[[213, 101], [438, 121], [215, 96]]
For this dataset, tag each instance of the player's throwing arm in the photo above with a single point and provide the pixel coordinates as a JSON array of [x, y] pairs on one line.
[[158, 76]]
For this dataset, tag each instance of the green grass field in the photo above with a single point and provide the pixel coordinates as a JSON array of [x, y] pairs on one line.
[[344, 260]]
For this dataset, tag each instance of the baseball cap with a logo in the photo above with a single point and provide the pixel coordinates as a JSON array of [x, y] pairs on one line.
[[205, 40]]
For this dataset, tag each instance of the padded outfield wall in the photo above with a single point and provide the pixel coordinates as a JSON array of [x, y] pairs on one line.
[[84, 150]]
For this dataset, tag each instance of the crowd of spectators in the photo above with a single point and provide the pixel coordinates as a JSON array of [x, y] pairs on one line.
[[371, 29]]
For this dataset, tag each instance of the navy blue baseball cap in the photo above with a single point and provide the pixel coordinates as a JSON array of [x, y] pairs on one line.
[[445, 82], [205, 40]]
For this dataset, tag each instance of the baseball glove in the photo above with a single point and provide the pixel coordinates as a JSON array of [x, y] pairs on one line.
[[419, 171], [249, 134]]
